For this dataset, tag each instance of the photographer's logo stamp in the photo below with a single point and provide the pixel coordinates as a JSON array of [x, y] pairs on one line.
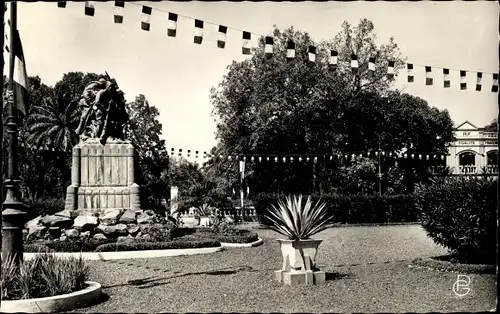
[[461, 286]]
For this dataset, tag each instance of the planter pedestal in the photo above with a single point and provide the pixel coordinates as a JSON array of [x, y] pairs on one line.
[[299, 263]]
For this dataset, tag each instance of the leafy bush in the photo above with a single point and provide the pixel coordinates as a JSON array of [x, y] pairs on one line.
[[76, 245], [229, 236], [43, 276], [460, 214], [354, 208], [43, 206], [160, 232], [143, 245]]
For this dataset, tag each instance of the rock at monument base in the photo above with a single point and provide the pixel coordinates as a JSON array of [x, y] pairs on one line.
[[85, 223], [72, 233], [99, 236], [132, 228], [110, 217], [113, 230], [127, 217], [37, 232], [145, 219], [57, 221], [85, 234], [55, 232], [33, 222], [67, 213]]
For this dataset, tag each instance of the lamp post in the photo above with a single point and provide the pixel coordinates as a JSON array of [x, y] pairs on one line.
[[13, 216]]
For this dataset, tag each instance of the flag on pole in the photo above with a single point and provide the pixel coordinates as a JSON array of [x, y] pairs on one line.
[[333, 60], [411, 78], [354, 62], [89, 8], [428, 76], [145, 18], [172, 151], [479, 81], [61, 4], [463, 80], [221, 40], [269, 46], [118, 12], [390, 70], [290, 50], [312, 54], [180, 152], [189, 153], [245, 46], [198, 32], [494, 86], [446, 78], [172, 24], [20, 76], [371, 67]]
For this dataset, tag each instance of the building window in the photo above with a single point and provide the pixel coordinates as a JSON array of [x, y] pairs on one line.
[[467, 162], [492, 161]]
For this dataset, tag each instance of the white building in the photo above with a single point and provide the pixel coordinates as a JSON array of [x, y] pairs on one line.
[[474, 151]]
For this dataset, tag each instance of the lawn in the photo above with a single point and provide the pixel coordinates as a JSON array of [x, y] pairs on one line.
[[368, 271]]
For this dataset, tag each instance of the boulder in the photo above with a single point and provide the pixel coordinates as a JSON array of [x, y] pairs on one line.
[[25, 234], [145, 219], [150, 212], [99, 236], [85, 223], [63, 238], [33, 222], [138, 212], [113, 230], [132, 228], [55, 232], [37, 232], [72, 214], [57, 221], [110, 217], [85, 234], [128, 217], [72, 233]]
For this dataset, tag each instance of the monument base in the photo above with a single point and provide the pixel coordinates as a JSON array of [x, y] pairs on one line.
[[303, 277], [102, 177]]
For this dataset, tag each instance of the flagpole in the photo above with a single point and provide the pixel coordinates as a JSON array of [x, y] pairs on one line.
[[13, 215], [2, 41]]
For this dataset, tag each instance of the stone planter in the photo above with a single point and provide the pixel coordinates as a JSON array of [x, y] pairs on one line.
[[299, 262]]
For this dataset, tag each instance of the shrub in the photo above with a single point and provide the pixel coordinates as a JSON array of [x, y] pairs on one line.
[[77, 245], [160, 232], [43, 206], [354, 208], [230, 236], [43, 276], [143, 245], [460, 214]]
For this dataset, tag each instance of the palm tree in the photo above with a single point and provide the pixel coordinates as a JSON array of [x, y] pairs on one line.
[[52, 124]]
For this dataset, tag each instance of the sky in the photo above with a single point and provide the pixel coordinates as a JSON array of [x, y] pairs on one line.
[[176, 75]]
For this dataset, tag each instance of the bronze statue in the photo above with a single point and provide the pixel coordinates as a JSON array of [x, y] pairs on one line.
[[103, 112]]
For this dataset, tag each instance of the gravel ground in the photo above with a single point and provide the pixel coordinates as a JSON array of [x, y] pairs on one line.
[[367, 271]]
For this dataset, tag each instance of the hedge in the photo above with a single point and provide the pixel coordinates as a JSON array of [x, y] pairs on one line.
[[356, 208], [460, 214], [142, 246], [238, 236]]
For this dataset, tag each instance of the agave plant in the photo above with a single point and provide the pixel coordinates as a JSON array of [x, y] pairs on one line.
[[295, 221], [205, 210]]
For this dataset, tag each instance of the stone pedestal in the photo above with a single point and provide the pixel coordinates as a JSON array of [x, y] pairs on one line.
[[102, 177]]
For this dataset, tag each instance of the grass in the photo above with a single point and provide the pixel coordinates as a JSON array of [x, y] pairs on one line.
[[367, 271]]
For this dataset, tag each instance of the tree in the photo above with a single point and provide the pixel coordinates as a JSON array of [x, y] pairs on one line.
[[492, 127], [144, 131], [275, 106]]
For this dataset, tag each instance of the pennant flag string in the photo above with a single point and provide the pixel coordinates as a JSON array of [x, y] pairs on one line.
[[290, 51], [118, 17]]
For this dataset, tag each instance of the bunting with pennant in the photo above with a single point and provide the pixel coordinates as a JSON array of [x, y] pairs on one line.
[[89, 8], [428, 76], [333, 60], [479, 81], [354, 62], [61, 4], [494, 86], [446, 78], [268, 49], [463, 80], [221, 37], [290, 50], [312, 54], [146, 18], [245, 46], [172, 24], [390, 70], [118, 11], [371, 67], [198, 32], [411, 78]]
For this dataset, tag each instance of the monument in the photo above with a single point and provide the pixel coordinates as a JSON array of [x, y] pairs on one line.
[[102, 171]]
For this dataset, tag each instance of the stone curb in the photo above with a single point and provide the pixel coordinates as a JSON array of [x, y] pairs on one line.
[[58, 303], [106, 256], [241, 245], [435, 264]]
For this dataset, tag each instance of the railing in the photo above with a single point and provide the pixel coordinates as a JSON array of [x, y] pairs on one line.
[[492, 169], [467, 169], [245, 214], [490, 134]]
